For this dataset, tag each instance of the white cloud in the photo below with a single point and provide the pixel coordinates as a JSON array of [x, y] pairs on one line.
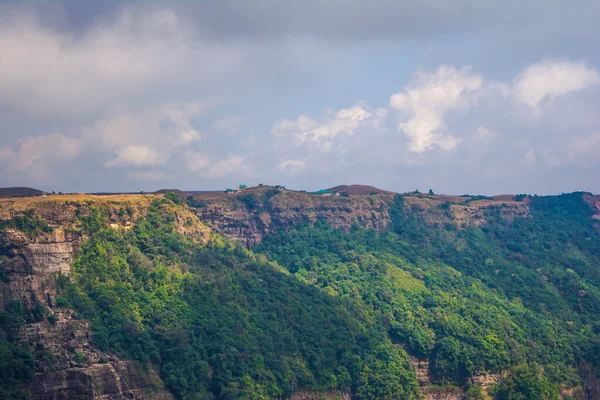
[[189, 136], [37, 155], [454, 119], [204, 166], [196, 162], [302, 124], [146, 137], [552, 79], [345, 122], [228, 166], [423, 105], [578, 151], [38, 150], [137, 156], [291, 167]]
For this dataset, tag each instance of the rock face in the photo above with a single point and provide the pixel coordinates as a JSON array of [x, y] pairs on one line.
[[34, 264], [97, 381], [67, 364], [249, 214]]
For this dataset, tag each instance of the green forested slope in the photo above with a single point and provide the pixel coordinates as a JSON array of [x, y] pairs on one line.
[[518, 294], [335, 310], [220, 322]]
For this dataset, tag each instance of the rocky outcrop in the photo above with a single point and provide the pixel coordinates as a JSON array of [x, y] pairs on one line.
[[249, 214], [97, 381], [422, 371], [33, 265], [68, 366]]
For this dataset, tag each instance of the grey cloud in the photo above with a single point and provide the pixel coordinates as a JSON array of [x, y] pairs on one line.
[[345, 19], [122, 80]]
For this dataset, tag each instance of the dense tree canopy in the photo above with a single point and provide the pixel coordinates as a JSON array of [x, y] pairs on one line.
[[472, 300], [336, 310], [221, 322]]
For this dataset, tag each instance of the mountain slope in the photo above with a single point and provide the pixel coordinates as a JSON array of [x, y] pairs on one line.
[[141, 296], [506, 292], [209, 317]]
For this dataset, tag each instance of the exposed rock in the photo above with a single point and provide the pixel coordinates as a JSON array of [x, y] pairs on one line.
[[249, 214], [34, 264], [249, 223], [422, 371], [68, 366]]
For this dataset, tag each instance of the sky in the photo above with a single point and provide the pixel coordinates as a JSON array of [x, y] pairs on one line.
[[468, 96]]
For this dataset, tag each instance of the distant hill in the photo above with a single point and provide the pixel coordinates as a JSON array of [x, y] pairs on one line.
[[357, 189], [19, 192]]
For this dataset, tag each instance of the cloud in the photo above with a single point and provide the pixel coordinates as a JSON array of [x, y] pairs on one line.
[[145, 137], [196, 162], [189, 136], [144, 84], [323, 134], [137, 156], [291, 167], [36, 156], [142, 49], [425, 103], [552, 79], [204, 166], [582, 150], [447, 123], [149, 175], [228, 166], [353, 20]]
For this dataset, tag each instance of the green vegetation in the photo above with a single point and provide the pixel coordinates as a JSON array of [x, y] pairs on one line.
[[192, 202], [333, 310], [16, 362], [511, 293], [257, 202], [219, 321], [28, 224]]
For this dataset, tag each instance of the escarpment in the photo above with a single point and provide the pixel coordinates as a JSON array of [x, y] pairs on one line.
[[39, 240], [152, 276], [249, 214]]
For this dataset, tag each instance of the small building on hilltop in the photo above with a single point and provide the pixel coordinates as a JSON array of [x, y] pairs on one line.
[[242, 186]]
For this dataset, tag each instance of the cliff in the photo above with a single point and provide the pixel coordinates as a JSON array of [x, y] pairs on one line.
[[249, 214], [40, 239]]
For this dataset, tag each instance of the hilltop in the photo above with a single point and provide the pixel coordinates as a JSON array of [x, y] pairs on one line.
[[19, 192]]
